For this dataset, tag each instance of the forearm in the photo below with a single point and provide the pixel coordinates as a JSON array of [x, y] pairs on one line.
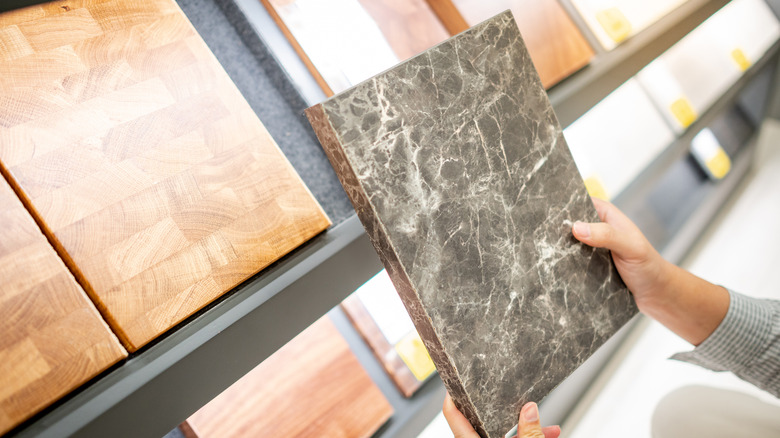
[[687, 305]]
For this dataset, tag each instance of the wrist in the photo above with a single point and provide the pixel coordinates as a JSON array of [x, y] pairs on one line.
[[661, 291]]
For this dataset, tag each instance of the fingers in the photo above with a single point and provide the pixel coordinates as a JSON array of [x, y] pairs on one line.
[[551, 431], [529, 426], [616, 233], [459, 424]]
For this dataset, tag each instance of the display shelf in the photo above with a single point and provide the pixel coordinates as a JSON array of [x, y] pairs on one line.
[[164, 383], [642, 183], [577, 94]]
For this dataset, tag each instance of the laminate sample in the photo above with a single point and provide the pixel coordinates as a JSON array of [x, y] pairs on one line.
[[618, 138], [338, 40], [410, 26], [557, 46], [312, 387], [613, 21], [459, 171], [381, 319], [152, 175], [689, 77], [53, 339]]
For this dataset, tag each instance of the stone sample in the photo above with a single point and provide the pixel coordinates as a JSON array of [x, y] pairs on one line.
[[457, 167]]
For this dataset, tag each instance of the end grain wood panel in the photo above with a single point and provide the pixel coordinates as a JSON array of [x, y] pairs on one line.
[[556, 45], [312, 387], [53, 339], [150, 172]]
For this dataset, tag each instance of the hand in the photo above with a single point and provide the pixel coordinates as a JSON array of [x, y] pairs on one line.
[[640, 266], [687, 305], [528, 425]]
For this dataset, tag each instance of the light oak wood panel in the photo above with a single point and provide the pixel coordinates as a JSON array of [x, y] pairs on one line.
[[312, 387], [556, 45], [53, 339], [150, 172]]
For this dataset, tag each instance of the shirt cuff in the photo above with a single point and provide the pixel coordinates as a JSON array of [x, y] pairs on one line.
[[743, 334]]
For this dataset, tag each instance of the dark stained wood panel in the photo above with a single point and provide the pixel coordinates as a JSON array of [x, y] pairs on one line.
[[153, 176], [312, 387], [52, 339]]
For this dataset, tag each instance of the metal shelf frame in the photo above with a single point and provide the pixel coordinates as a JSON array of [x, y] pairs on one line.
[[161, 385]]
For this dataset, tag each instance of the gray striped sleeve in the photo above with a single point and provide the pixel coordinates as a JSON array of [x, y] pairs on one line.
[[747, 343]]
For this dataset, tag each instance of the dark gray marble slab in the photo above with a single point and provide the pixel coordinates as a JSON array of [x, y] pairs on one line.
[[457, 167]]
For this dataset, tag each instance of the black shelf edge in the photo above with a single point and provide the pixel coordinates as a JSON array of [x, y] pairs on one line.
[[680, 146], [152, 392], [581, 91]]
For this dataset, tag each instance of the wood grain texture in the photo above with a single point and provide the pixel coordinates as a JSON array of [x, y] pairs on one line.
[[410, 26], [312, 387], [52, 337], [557, 46], [152, 175], [449, 15], [387, 355]]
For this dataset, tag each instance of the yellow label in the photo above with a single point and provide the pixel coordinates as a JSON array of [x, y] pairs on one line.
[[741, 59], [615, 24], [596, 188], [683, 111], [720, 164], [415, 356]]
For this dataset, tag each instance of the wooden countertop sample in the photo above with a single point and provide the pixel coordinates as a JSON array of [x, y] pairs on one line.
[[556, 45], [151, 173], [53, 339], [312, 387]]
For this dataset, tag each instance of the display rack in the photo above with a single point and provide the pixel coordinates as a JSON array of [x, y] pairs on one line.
[[160, 386]]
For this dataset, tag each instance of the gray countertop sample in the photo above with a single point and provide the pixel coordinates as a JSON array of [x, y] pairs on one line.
[[457, 167]]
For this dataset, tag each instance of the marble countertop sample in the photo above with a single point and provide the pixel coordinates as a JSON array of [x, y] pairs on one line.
[[457, 167]]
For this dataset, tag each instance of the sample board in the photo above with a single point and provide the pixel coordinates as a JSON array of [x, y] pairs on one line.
[[692, 74], [378, 314], [150, 172], [613, 21], [338, 40], [53, 339], [312, 387], [458, 170], [557, 46], [616, 139]]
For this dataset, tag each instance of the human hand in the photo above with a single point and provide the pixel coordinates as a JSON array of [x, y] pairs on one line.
[[528, 425], [643, 270]]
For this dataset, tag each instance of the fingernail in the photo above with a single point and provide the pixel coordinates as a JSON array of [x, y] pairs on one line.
[[582, 229], [531, 412]]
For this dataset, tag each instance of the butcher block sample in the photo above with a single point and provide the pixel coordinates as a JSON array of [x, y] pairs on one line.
[[150, 172], [557, 46], [52, 339], [312, 387], [458, 169]]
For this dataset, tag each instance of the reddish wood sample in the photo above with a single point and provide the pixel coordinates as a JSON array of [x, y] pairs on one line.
[[150, 172], [52, 339], [556, 45], [312, 387], [387, 355]]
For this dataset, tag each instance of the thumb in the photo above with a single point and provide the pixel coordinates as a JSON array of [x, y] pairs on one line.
[[603, 235], [529, 425]]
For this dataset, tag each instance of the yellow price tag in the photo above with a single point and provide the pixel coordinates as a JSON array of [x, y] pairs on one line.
[[615, 24], [741, 59], [683, 111], [719, 164], [415, 356], [596, 188]]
